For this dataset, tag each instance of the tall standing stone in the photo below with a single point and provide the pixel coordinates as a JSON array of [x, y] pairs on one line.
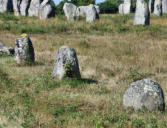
[[70, 11], [142, 14], [34, 8], [158, 7], [144, 93], [6, 6], [24, 6], [16, 7], [151, 6], [66, 64], [164, 6], [24, 51]]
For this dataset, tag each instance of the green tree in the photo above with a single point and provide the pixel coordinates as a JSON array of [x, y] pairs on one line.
[[110, 6]]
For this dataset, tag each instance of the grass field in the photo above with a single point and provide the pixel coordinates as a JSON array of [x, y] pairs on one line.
[[112, 53]]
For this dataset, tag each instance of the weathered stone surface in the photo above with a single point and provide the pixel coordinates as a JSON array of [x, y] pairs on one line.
[[70, 11], [158, 7], [24, 6], [120, 8], [6, 6], [66, 64], [46, 11], [34, 8], [97, 9], [127, 8], [164, 6], [16, 7], [88, 11], [151, 5], [142, 14], [144, 93], [24, 51], [6, 50]]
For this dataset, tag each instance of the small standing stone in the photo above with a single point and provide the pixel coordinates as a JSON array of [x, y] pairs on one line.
[[89, 11], [66, 64], [125, 8], [142, 14], [164, 6], [70, 11], [158, 7], [121, 10], [6, 50], [24, 51], [144, 93]]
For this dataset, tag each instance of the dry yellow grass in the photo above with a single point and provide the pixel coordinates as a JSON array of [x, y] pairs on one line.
[[113, 59]]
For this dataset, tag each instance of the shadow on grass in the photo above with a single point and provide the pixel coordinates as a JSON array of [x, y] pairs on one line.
[[74, 82], [29, 64], [4, 79]]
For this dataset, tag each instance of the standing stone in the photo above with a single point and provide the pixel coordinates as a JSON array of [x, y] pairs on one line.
[[144, 93], [91, 14], [97, 9], [6, 50], [89, 11], [24, 51], [142, 14], [125, 8], [16, 7], [6, 6], [121, 10], [158, 7], [151, 6], [164, 6], [69, 11], [66, 64], [46, 10], [24, 6], [34, 8]]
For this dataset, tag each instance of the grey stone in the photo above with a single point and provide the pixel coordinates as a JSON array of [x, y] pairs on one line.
[[46, 10], [151, 5], [97, 9], [16, 7], [6, 6], [120, 8], [158, 7], [24, 6], [34, 8], [164, 6], [142, 14], [69, 11], [125, 8], [6, 50], [88, 11], [144, 93], [66, 64], [24, 51]]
